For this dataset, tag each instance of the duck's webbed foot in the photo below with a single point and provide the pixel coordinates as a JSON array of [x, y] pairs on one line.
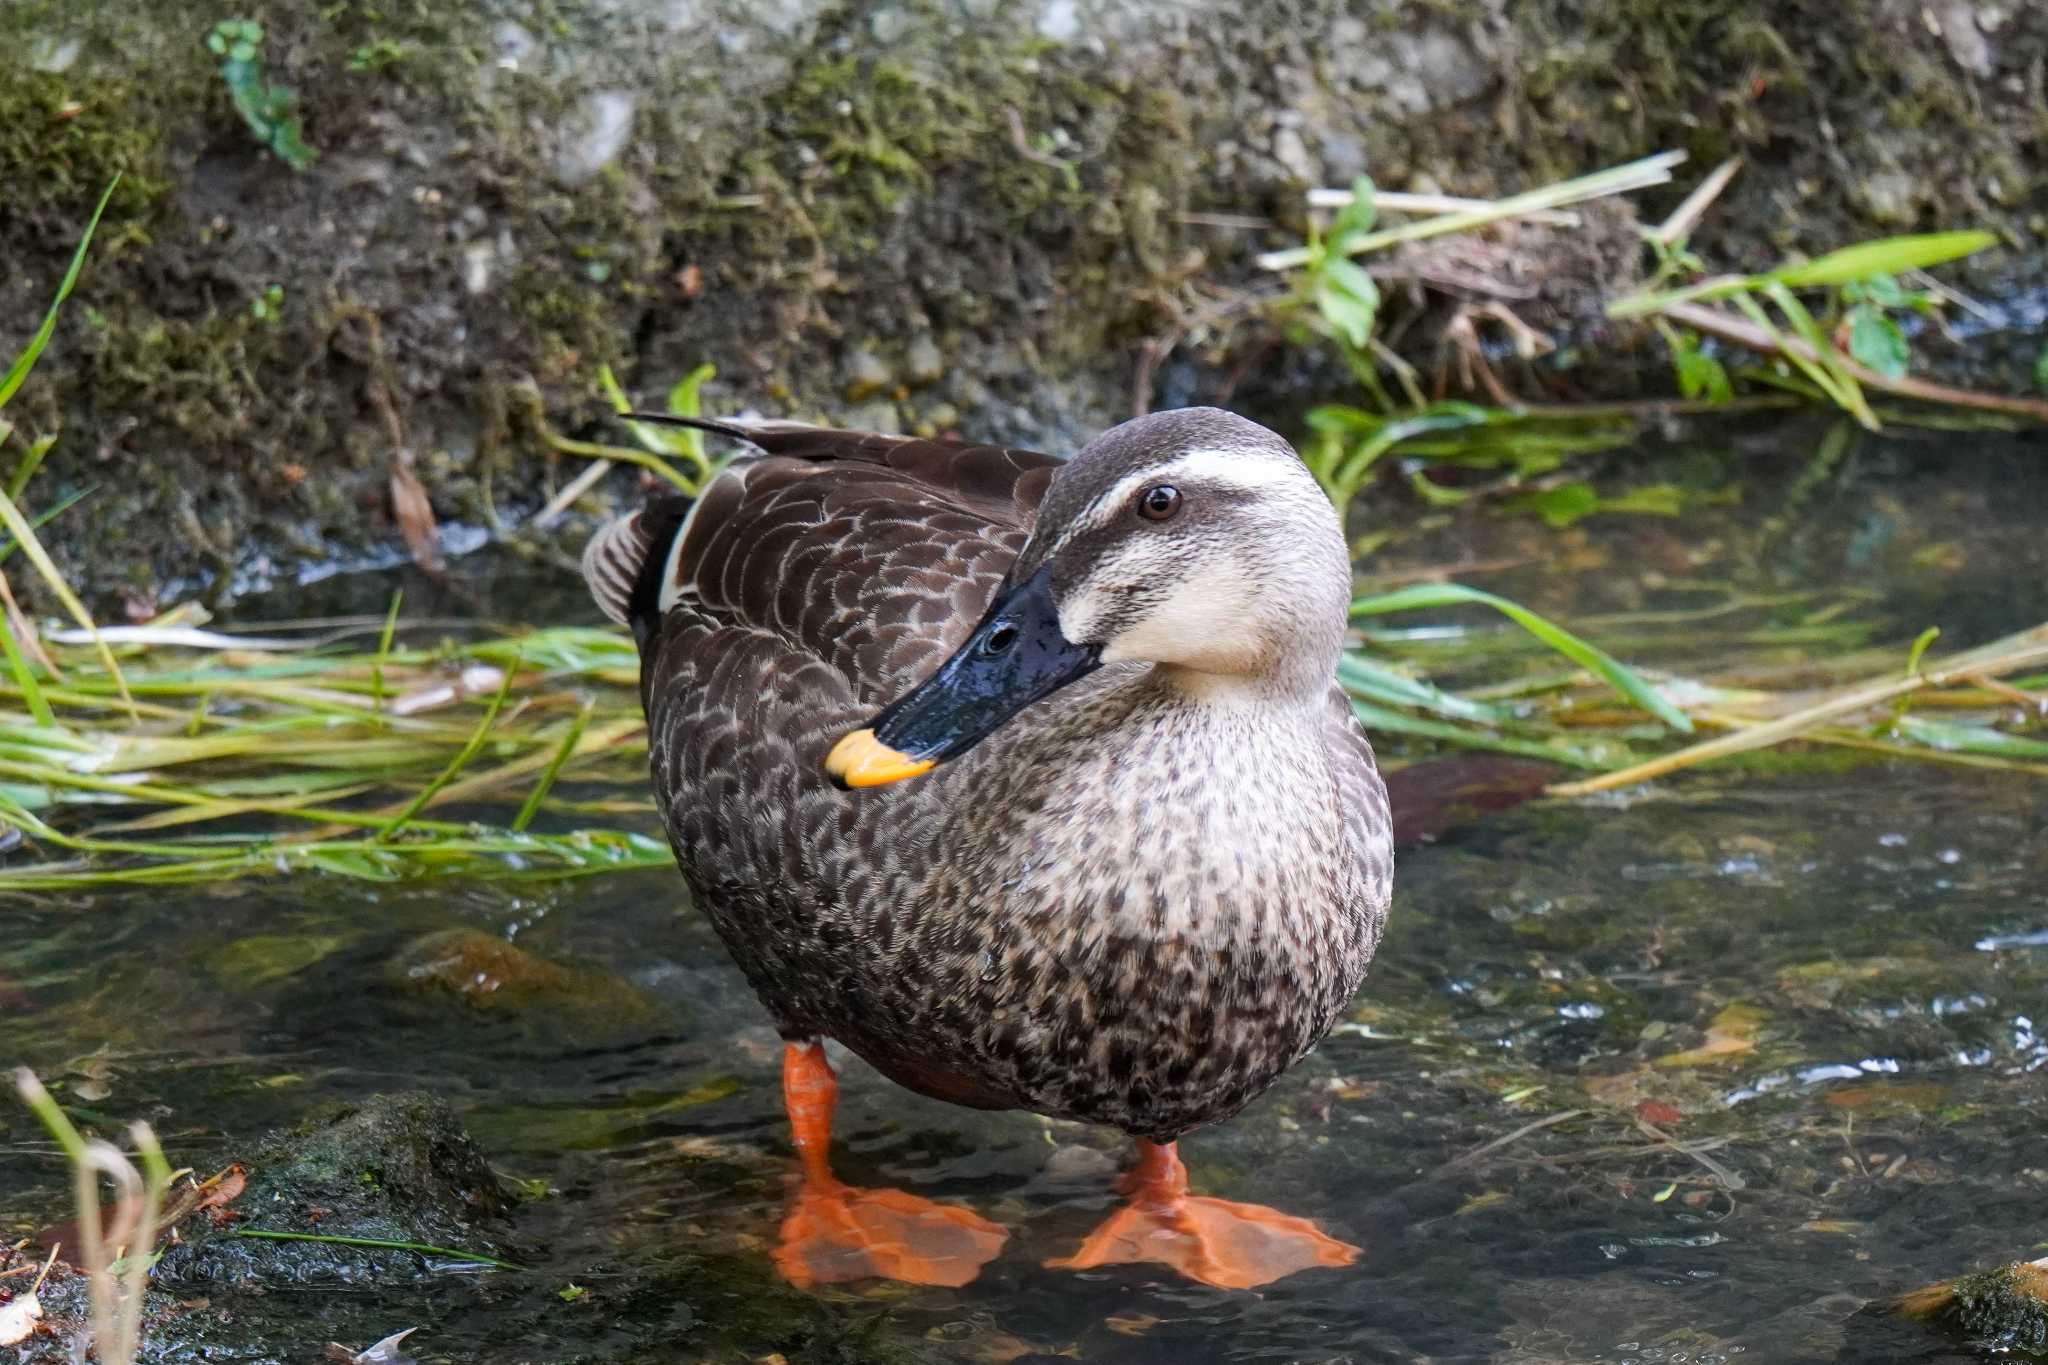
[[1214, 1241], [835, 1232]]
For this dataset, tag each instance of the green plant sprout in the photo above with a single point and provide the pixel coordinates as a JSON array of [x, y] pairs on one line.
[[266, 108]]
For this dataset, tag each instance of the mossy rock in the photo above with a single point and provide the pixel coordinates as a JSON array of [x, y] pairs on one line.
[[396, 1167], [2002, 1310]]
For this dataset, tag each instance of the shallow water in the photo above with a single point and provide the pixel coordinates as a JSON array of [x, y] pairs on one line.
[[1794, 1017]]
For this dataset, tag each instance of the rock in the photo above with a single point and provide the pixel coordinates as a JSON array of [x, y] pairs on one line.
[[596, 136], [394, 1168], [2002, 1310], [491, 975], [924, 362], [253, 960], [866, 375], [830, 178], [880, 415]]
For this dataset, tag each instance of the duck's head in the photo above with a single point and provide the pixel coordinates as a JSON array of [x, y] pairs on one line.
[[1192, 540]]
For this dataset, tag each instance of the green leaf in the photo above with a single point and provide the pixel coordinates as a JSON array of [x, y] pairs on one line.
[[26, 361], [1560, 506], [1886, 256], [1350, 314], [1434, 493], [1618, 675], [1355, 218], [1886, 292], [1876, 342], [1650, 500], [2041, 370], [1699, 375]]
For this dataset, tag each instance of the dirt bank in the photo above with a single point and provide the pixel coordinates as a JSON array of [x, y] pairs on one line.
[[926, 213]]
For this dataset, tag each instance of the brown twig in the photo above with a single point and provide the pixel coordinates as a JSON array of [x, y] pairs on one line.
[[1477, 1152]]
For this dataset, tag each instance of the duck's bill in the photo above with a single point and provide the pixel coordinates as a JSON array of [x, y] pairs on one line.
[[1014, 657]]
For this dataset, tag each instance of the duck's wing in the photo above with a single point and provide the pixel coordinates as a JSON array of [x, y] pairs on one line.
[[872, 555]]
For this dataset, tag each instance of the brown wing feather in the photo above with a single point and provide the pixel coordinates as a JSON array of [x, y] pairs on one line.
[[872, 554]]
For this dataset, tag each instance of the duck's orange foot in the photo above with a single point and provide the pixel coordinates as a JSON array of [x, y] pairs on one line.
[[836, 1233], [1213, 1241]]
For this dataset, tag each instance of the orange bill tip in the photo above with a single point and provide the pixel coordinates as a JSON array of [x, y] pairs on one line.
[[861, 760]]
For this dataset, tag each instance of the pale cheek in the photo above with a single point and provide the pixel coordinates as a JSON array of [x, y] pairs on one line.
[[1207, 623]]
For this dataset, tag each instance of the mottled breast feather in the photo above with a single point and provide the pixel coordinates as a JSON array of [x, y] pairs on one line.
[[1096, 931]]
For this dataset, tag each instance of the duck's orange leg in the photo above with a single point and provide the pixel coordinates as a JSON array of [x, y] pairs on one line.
[[835, 1232], [1215, 1241]]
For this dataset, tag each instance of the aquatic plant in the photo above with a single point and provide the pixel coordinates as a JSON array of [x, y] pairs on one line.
[[1828, 330], [661, 447], [1853, 343]]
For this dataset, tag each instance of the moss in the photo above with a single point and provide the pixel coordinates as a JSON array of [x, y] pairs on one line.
[[2005, 1308]]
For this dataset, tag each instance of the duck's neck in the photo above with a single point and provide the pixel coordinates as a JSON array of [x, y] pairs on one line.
[[1296, 675]]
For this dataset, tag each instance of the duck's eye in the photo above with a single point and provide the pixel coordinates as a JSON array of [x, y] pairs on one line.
[[1159, 502]]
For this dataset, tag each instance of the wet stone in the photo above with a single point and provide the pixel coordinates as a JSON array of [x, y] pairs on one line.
[[393, 1168], [490, 975]]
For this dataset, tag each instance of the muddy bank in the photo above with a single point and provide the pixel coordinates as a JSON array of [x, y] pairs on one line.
[[932, 213]]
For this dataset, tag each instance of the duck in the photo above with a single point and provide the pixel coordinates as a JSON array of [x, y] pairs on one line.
[[1028, 782]]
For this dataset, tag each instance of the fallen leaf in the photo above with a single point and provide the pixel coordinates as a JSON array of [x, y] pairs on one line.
[[1889, 1096], [1659, 1113], [386, 1352], [1729, 1033], [1485, 1199], [1621, 1089], [415, 517], [18, 1317], [1131, 1324], [1431, 796]]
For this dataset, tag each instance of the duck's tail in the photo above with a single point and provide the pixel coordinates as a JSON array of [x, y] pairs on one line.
[[623, 563]]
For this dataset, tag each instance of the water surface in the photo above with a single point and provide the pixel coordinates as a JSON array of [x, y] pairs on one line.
[[1683, 1073]]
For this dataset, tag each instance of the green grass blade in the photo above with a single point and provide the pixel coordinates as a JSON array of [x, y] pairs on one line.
[[1618, 675], [42, 519], [1381, 720], [30, 462], [1376, 682], [11, 516], [455, 764], [531, 807], [25, 679], [378, 1244], [1885, 256], [26, 361], [383, 653], [1955, 737]]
